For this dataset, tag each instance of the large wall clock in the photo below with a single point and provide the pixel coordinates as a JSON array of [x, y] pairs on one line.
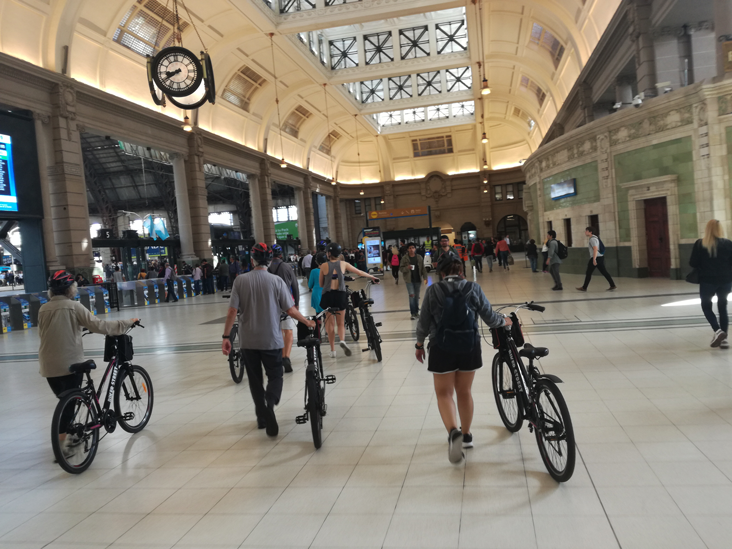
[[177, 72]]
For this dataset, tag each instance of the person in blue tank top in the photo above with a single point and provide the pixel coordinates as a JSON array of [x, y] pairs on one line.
[[314, 282]]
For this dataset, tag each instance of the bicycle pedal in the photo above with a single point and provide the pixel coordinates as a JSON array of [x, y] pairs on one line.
[[301, 419], [509, 394], [129, 416], [378, 324], [366, 350], [330, 379]]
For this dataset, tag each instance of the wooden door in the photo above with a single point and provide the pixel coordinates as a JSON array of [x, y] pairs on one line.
[[657, 241]]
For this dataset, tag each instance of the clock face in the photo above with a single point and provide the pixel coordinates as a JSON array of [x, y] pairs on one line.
[[177, 72]]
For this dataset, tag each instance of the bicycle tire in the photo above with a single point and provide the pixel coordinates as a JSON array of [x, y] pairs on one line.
[[236, 361], [375, 340], [313, 407], [554, 399], [138, 388], [78, 427], [513, 417], [352, 321]]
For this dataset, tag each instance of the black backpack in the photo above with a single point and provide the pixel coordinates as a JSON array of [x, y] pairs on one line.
[[562, 250], [458, 329]]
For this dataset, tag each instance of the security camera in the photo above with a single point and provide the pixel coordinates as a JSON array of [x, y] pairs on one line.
[[637, 101]]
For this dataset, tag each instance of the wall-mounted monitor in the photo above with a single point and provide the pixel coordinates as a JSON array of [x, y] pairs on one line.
[[563, 189], [8, 192]]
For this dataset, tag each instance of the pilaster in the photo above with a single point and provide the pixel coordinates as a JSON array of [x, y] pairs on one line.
[[640, 12], [265, 201], [197, 197], [309, 225], [44, 144]]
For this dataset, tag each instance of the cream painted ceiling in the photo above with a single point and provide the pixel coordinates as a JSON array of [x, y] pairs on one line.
[[517, 41]]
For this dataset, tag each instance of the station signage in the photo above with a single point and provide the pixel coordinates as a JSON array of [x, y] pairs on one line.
[[8, 192], [399, 212]]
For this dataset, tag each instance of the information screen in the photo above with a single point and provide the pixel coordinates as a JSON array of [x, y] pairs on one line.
[[8, 194], [373, 252]]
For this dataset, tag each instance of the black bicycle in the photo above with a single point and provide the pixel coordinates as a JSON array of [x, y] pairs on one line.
[[236, 360], [315, 378], [79, 416], [362, 301], [526, 393], [351, 320]]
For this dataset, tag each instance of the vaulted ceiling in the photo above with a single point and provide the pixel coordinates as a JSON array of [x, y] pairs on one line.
[[401, 78]]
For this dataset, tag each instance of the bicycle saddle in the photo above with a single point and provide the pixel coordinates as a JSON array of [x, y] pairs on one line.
[[531, 352], [367, 302], [308, 342], [83, 367]]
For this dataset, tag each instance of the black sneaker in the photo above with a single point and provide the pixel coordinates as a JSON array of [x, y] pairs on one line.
[[454, 446], [271, 421], [287, 364], [467, 440]]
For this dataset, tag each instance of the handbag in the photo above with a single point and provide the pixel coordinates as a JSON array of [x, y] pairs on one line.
[[510, 259], [693, 277]]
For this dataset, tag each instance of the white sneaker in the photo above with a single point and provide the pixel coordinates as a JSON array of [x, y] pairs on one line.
[[332, 354], [719, 336], [345, 348], [455, 446], [724, 344]]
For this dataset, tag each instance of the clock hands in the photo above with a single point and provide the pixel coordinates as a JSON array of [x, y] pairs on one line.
[[170, 74]]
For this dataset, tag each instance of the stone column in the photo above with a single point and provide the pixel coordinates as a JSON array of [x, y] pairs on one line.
[[197, 197], [389, 204], [44, 144], [723, 31], [624, 92], [642, 37], [309, 225], [686, 59], [256, 206], [265, 201], [586, 104], [183, 207], [67, 189]]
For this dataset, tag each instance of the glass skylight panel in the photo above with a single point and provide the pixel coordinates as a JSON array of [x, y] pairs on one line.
[[413, 116], [438, 112], [343, 53], [339, 2], [465, 108], [400, 87], [378, 48], [452, 36], [372, 91], [460, 79], [291, 6], [414, 42], [429, 83], [391, 118]]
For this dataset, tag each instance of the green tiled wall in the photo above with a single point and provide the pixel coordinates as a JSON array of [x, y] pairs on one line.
[[669, 158], [588, 187], [535, 229]]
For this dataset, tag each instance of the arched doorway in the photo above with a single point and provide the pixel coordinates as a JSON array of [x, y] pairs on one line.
[[468, 232], [516, 228]]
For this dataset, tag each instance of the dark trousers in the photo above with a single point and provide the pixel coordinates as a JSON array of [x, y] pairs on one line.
[[306, 273], [545, 255], [60, 385], [478, 262], [707, 291], [171, 291], [532, 262], [223, 282], [503, 259], [601, 268], [272, 362], [208, 287], [554, 271], [395, 272]]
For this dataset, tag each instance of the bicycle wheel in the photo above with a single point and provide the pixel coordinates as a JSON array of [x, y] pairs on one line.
[[133, 398], [236, 361], [314, 408], [554, 434], [76, 417], [508, 400], [352, 322], [375, 339]]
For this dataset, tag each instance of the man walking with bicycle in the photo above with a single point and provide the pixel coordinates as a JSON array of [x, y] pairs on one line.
[[260, 297], [280, 268]]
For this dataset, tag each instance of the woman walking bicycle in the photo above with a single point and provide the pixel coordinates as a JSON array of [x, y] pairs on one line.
[[712, 259]]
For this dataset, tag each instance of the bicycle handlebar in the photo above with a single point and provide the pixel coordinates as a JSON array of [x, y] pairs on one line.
[[531, 306]]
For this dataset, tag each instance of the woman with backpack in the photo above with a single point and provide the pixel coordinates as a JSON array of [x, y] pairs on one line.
[[712, 259], [449, 316], [395, 266]]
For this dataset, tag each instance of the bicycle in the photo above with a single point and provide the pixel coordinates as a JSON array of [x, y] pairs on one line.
[[80, 416], [351, 320], [315, 378], [363, 301], [236, 360], [523, 393]]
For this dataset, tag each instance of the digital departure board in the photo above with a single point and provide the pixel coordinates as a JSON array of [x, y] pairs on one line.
[[8, 194]]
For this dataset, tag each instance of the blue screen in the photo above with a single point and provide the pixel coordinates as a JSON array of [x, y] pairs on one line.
[[8, 194]]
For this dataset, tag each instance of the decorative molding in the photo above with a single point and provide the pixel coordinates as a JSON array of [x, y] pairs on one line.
[[725, 104], [44, 118], [578, 150], [418, 126], [674, 118], [435, 186], [679, 30], [65, 169]]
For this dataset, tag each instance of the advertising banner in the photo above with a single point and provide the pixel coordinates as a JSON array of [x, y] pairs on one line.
[[398, 212], [285, 228], [8, 193]]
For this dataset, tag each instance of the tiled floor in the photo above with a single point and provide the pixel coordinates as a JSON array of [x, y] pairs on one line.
[[652, 410]]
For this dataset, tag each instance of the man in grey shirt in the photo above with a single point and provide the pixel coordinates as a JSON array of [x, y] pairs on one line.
[[597, 259], [553, 260], [284, 271], [259, 297]]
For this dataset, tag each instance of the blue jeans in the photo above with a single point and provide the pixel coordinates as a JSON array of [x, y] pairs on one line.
[[196, 287], [504, 259], [706, 292], [413, 289], [532, 261]]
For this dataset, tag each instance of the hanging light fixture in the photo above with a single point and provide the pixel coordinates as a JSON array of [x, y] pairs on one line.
[[484, 139], [484, 87], [485, 164], [485, 190], [485, 181], [358, 151], [361, 193], [382, 200], [283, 164], [187, 124]]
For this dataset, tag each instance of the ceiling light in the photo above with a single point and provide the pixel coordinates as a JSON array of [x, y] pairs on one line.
[[382, 200], [283, 164], [361, 193], [485, 164], [187, 125], [333, 182], [485, 190], [484, 88], [485, 181], [485, 138]]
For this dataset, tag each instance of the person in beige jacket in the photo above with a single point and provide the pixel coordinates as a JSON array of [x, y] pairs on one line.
[[59, 326], [414, 274]]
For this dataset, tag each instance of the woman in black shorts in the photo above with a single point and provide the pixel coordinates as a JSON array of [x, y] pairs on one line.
[[334, 294], [454, 368]]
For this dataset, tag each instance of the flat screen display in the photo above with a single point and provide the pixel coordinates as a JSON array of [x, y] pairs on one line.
[[563, 189], [373, 252], [8, 193]]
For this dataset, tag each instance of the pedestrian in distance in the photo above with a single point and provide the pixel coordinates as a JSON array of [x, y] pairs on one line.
[[450, 317], [711, 257], [234, 268], [208, 287], [307, 263], [597, 260], [490, 252], [197, 276], [444, 249], [503, 251], [545, 255], [258, 297], [553, 261], [117, 276], [278, 267], [395, 267], [169, 280], [314, 282], [533, 254], [412, 268], [477, 250], [223, 272]]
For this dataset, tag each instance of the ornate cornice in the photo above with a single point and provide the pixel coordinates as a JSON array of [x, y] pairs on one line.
[[674, 118]]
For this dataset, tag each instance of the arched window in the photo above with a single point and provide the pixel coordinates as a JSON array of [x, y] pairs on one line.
[[516, 228]]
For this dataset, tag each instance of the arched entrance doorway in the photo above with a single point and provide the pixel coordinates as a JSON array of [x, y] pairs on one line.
[[468, 232], [516, 228]]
